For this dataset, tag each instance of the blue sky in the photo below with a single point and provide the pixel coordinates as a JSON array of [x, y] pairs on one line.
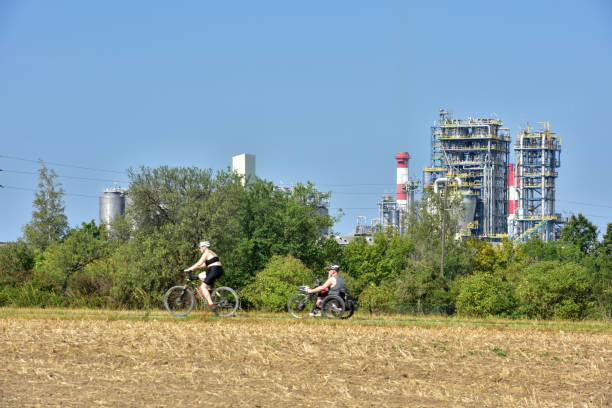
[[321, 91]]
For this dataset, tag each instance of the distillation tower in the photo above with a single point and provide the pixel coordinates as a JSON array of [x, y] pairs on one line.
[[538, 155], [473, 154]]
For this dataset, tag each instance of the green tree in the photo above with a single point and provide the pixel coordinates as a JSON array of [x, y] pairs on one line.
[[580, 232], [599, 266], [606, 243], [80, 247], [537, 250], [484, 255], [145, 267], [416, 283], [49, 224], [186, 205], [505, 254], [421, 282], [247, 225], [273, 222]]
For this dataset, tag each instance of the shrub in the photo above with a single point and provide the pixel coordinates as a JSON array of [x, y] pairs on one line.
[[483, 295], [271, 287], [16, 263], [378, 298], [555, 290], [35, 293]]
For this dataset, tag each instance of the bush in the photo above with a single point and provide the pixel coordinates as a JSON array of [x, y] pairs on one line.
[[35, 293], [483, 295], [271, 287], [378, 298], [16, 263], [91, 287], [555, 290]]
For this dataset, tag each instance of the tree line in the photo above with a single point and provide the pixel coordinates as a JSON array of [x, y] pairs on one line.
[[270, 242]]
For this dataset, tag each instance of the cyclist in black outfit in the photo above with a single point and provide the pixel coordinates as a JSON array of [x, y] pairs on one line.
[[214, 270]]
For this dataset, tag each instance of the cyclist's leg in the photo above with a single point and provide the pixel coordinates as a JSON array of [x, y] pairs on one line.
[[205, 289], [209, 280], [320, 297]]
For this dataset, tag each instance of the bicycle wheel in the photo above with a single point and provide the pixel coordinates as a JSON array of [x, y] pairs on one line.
[[179, 301], [349, 307], [348, 313], [300, 305], [333, 306], [225, 300]]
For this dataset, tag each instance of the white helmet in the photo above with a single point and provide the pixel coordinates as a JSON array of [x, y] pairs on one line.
[[333, 267], [204, 244]]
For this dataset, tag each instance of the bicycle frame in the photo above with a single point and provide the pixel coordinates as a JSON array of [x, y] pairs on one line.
[[225, 299]]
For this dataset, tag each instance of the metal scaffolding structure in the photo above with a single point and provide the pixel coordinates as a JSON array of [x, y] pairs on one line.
[[538, 157], [477, 152], [389, 213]]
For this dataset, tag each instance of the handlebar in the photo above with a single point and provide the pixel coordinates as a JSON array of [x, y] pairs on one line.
[[305, 288]]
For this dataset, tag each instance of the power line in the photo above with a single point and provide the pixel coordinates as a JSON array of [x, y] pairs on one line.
[[590, 215], [32, 189], [591, 205], [68, 177], [357, 185], [60, 164], [353, 208]]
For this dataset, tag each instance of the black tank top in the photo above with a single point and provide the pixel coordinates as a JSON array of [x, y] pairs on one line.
[[212, 260], [340, 285]]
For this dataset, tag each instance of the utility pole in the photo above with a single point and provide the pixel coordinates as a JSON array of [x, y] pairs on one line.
[[443, 228]]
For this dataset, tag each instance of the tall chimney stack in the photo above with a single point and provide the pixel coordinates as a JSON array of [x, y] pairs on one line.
[[402, 178]]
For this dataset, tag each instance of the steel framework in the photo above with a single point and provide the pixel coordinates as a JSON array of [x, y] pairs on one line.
[[538, 157], [476, 151]]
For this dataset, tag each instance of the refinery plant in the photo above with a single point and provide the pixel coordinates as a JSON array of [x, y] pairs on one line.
[[532, 194], [473, 156], [470, 158]]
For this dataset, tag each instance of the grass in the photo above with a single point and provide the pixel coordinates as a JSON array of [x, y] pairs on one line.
[[358, 319]]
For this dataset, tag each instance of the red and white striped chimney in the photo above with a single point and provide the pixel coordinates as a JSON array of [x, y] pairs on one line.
[[402, 178], [512, 191]]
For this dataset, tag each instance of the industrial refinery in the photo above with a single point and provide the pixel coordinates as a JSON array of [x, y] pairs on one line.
[[471, 159]]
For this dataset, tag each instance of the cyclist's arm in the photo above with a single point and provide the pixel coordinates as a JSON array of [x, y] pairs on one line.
[[198, 264], [328, 284]]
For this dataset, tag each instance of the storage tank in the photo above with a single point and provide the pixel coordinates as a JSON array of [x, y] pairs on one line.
[[469, 209], [112, 204]]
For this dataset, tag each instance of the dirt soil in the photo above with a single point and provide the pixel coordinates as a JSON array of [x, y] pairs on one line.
[[248, 363]]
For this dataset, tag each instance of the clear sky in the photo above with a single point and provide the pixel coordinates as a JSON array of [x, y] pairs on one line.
[[326, 91]]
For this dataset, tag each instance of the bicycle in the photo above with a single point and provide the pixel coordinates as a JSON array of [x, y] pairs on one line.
[[179, 300], [303, 304]]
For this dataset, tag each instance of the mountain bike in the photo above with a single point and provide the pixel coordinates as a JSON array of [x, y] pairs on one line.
[[303, 304], [179, 300]]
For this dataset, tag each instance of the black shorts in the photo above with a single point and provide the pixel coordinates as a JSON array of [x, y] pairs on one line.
[[212, 274]]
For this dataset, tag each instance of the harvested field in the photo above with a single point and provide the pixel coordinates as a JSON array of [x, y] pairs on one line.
[[249, 362]]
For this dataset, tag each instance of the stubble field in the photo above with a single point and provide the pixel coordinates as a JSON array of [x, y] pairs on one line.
[[113, 361]]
